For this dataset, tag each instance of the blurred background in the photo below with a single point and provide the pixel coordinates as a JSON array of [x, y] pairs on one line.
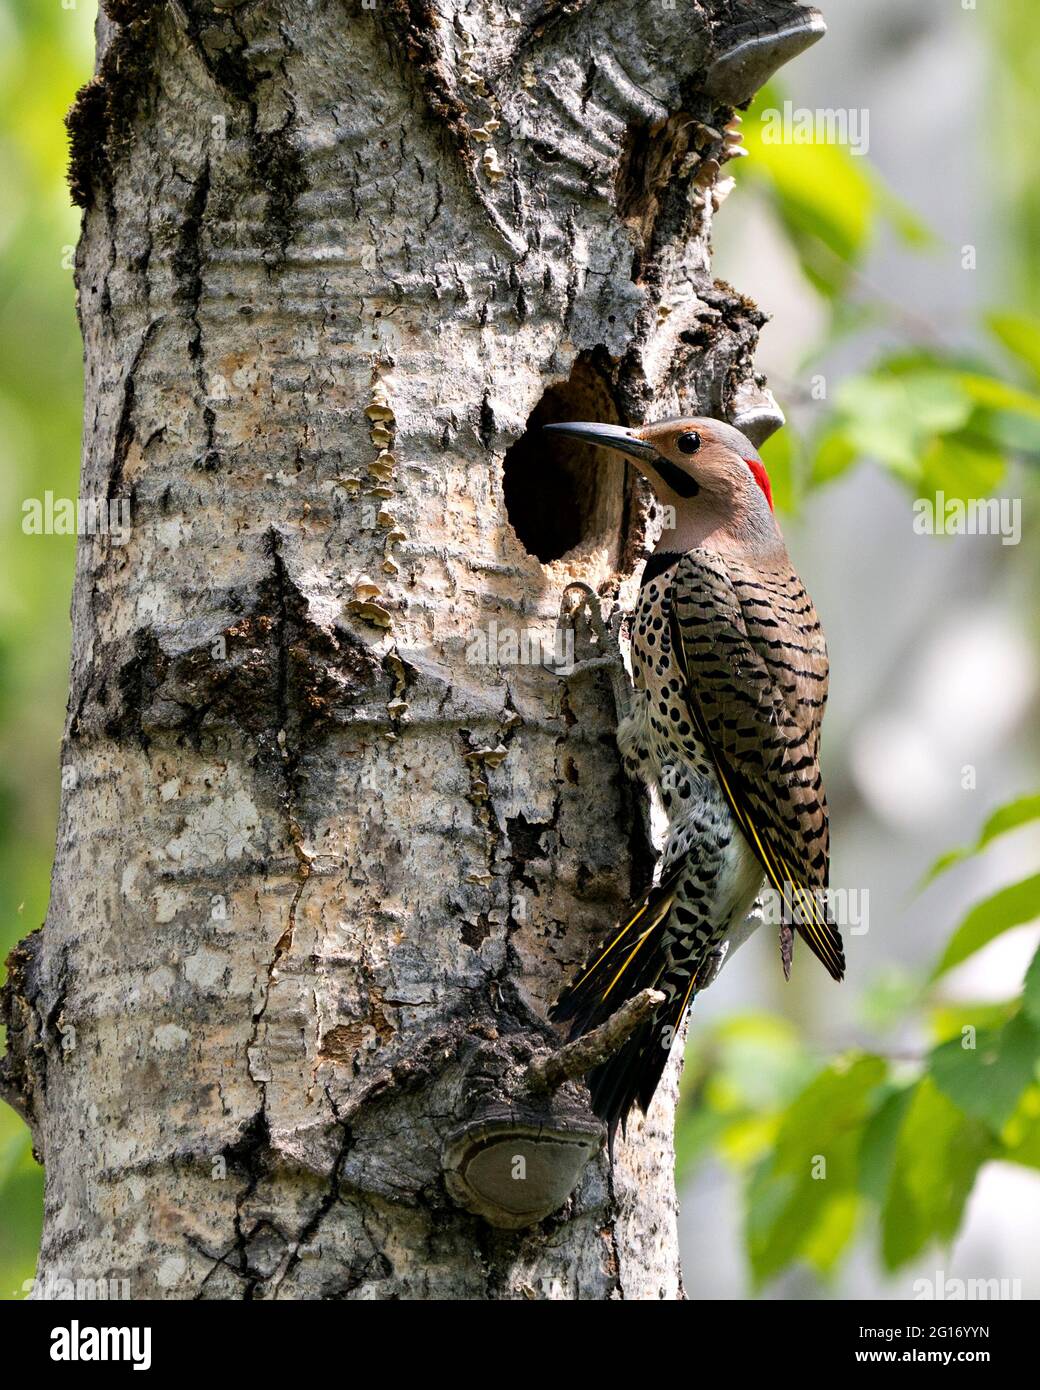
[[833, 1142], [904, 286]]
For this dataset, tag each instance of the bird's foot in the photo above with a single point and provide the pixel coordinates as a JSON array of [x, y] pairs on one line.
[[592, 644], [582, 605], [594, 647], [717, 958], [713, 963]]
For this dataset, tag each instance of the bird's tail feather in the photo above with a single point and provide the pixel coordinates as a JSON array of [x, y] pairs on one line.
[[631, 1076], [633, 959], [622, 967]]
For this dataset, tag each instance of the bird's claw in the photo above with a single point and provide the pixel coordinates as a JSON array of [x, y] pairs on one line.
[[577, 599], [594, 644], [713, 964]]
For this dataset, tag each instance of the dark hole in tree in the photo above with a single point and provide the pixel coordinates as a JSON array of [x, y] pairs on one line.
[[559, 492]]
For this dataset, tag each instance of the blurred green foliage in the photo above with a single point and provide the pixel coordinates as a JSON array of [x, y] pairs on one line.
[[1013, 114], [45, 54], [866, 1141], [1016, 813], [938, 420]]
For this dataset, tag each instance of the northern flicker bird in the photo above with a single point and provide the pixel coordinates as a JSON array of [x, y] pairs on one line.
[[729, 668]]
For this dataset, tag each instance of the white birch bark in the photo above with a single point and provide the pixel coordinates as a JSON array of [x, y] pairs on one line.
[[326, 852]]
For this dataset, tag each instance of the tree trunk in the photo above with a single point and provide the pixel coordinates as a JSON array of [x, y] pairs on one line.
[[332, 836]]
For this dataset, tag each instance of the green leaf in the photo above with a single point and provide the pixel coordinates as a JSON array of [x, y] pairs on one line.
[[960, 469], [801, 1201], [736, 1080], [21, 1202], [938, 398], [835, 454], [879, 422], [1006, 430], [994, 394], [1020, 334], [834, 1102], [935, 424], [1009, 817], [894, 417], [988, 1080], [949, 1018], [1010, 907], [780, 458], [800, 1216], [938, 1153], [830, 203], [825, 1242], [1031, 991], [1021, 1134], [825, 200], [878, 1148], [1005, 818]]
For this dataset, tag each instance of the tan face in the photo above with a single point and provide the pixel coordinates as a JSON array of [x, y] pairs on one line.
[[689, 461]]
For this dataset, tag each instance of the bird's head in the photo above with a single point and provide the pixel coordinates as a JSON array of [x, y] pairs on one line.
[[693, 463]]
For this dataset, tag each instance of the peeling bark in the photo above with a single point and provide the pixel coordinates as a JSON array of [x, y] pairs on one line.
[[326, 852]]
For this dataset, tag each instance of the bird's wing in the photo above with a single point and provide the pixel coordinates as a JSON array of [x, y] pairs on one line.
[[750, 646]]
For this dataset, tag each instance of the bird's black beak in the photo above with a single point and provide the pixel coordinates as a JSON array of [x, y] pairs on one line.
[[618, 437]]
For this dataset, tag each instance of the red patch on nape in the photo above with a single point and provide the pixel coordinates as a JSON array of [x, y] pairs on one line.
[[761, 477]]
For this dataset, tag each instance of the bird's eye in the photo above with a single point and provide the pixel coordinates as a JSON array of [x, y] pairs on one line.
[[689, 443]]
